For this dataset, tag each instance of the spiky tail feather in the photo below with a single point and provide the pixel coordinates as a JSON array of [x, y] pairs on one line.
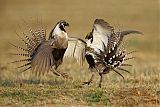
[[114, 57], [37, 36]]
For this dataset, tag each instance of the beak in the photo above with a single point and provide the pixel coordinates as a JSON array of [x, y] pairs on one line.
[[88, 35], [66, 24]]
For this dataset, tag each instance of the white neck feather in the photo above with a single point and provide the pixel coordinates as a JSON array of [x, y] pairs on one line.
[[59, 33]]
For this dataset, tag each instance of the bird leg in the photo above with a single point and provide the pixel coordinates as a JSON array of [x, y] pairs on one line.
[[101, 79], [65, 75], [90, 80], [58, 73], [55, 71]]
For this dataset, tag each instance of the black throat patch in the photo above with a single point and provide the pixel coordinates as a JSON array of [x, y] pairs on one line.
[[62, 28]]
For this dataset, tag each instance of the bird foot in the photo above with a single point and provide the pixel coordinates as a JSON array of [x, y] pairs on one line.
[[99, 85], [88, 82], [66, 76]]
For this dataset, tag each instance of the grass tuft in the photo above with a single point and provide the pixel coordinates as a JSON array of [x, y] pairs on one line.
[[97, 96]]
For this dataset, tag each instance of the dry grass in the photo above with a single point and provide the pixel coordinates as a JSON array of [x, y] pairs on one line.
[[140, 88]]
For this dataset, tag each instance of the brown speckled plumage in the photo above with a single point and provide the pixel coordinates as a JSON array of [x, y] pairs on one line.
[[42, 54]]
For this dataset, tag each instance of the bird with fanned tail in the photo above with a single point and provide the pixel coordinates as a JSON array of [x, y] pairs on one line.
[[102, 50], [44, 55]]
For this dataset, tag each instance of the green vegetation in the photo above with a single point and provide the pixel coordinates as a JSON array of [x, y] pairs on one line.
[[98, 96]]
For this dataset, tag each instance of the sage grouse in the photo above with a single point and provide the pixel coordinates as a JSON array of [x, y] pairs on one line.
[[42, 54], [101, 49]]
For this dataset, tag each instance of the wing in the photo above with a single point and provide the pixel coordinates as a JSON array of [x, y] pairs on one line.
[[101, 32], [115, 40], [32, 37], [127, 32], [42, 60], [76, 49]]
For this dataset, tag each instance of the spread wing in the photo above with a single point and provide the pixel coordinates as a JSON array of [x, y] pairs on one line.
[[116, 38], [127, 32], [101, 32], [104, 35], [42, 60], [32, 37], [76, 49]]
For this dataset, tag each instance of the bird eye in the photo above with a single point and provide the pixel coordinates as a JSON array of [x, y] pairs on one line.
[[62, 24], [89, 35], [62, 27]]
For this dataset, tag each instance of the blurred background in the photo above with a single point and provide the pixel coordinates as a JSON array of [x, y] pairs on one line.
[[139, 15]]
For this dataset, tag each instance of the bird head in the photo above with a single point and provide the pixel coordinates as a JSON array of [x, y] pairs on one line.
[[61, 25], [89, 38], [58, 29]]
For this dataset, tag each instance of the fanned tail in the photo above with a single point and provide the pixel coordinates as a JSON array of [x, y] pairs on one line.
[[22, 60], [24, 65], [114, 56], [31, 39], [20, 54], [18, 47], [127, 32]]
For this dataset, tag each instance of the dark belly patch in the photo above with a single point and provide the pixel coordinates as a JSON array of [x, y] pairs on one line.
[[90, 61], [58, 53]]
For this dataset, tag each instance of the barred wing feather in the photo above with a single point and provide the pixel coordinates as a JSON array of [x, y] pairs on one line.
[[42, 59], [76, 49], [101, 32]]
